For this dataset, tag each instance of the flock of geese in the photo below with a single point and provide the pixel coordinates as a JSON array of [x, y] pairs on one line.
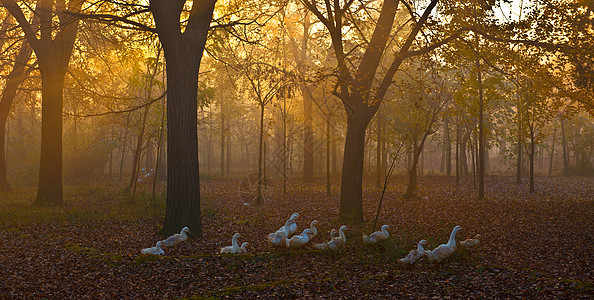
[[286, 236]]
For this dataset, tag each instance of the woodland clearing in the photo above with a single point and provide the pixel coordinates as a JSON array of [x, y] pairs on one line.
[[533, 245]]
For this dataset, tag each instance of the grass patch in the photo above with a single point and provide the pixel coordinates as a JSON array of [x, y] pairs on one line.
[[81, 204], [238, 289], [111, 258], [147, 258], [585, 286]]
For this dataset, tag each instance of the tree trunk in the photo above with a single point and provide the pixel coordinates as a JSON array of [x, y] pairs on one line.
[[457, 152], [50, 165], [14, 80], [308, 147], [334, 152], [284, 162], [124, 141], [380, 142], [183, 52], [552, 153], [328, 156], [531, 160], [448, 148], [519, 151], [183, 185], [481, 138], [411, 188], [228, 137], [564, 142], [136, 156], [260, 157], [209, 149], [351, 190], [463, 154], [222, 164]]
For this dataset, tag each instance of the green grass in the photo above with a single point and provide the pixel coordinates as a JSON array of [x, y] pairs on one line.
[[81, 204], [228, 291], [585, 286], [112, 258]]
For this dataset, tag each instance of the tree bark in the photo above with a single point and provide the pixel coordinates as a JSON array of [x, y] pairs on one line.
[[124, 142], [260, 157], [552, 153], [519, 149], [136, 155], [457, 152], [448, 148], [463, 154], [417, 150], [564, 142], [351, 189], [531, 159], [328, 156], [222, 164], [481, 137], [183, 52], [380, 142], [49, 189]]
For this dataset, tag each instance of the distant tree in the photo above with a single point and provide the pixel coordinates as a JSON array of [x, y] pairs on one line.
[[424, 94], [361, 88], [57, 26], [16, 76]]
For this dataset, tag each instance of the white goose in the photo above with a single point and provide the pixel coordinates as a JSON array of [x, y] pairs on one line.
[[414, 255], [335, 242], [444, 251], [377, 236], [177, 238], [234, 248], [154, 250], [470, 243], [243, 247], [313, 228], [299, 240], [280, 236], [293, 227], [332, 233]]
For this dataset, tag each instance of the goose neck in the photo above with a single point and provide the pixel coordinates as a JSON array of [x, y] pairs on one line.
[[452, 240]]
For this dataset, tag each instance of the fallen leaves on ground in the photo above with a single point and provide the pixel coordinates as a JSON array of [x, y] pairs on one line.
[[532, 246]]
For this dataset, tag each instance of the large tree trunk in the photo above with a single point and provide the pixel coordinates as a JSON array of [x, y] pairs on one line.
[[183, 52], [351, 190], [14, 80], [183, 185], [50, 166]]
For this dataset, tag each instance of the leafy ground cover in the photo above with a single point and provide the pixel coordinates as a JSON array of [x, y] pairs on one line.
[[533, 245]]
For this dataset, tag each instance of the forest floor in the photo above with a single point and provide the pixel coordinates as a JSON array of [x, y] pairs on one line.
[[532, 245]]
